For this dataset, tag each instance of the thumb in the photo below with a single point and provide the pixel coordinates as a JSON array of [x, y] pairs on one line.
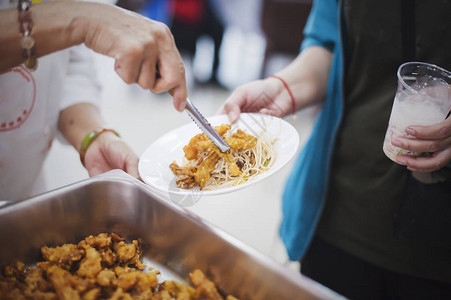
[[179, 95], [131, 168]]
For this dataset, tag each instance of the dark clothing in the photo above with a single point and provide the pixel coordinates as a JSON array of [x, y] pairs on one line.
[[357, 279]]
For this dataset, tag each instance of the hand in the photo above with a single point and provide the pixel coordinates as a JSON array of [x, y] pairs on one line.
[[140, 47], [263, 96], [435, 139], [108, 152]]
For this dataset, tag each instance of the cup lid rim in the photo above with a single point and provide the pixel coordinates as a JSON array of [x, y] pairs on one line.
[[398, 73]]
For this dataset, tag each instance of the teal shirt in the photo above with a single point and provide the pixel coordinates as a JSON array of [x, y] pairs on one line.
[[304, 193]]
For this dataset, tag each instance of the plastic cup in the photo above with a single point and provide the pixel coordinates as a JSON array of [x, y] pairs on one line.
[[423, 97]]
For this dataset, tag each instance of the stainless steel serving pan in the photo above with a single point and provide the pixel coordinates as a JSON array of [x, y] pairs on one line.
[[175, 240]]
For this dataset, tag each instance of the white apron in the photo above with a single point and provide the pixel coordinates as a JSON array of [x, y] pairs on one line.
[[30, 103]]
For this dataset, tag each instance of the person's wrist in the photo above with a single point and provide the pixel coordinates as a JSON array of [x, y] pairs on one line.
[[80, 20], [275, 85], [27, 41], [283, 87], [93, 136]]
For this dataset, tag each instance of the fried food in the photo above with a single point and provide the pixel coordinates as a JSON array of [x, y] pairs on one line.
[[98, 267], [64, 255], [241, 140], [204, 286], [205, 165]]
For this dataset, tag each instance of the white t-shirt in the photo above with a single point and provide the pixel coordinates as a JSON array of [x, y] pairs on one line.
[[30, 103]]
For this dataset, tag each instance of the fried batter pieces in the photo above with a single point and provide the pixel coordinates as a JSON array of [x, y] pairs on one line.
[[205, 155], [98, 267]]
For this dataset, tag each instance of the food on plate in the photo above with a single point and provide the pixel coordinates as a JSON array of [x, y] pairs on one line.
[[98, 267], [205, 166]]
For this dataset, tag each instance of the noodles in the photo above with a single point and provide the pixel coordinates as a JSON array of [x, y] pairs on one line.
[[205, 166]]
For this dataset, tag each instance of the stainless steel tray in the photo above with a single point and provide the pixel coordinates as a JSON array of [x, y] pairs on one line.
[[175, 240]]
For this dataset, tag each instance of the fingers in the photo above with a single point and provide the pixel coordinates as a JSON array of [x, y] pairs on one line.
[[109, 152], [233, 105], [131, 166], [233, 112], [272, 111], [175, 84], [258, 96], [128, 64], [172, 78], [179, 94], [431, 138], [139, 53], [168, 78], [95, 171], [419, 145], [172, 71], [426, 164], [437, 131], [147, 76], [435, 139]]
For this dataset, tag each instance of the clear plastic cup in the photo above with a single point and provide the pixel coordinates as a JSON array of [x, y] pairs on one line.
[[423, 97]]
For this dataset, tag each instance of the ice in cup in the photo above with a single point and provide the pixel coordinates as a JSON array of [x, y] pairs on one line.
[[423, 97]]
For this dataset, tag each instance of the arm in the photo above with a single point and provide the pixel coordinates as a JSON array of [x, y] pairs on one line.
[[307, 77], [136, 43], [107, 151], [80, 115], [77, 120]]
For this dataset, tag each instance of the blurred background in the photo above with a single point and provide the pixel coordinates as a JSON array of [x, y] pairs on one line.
[[224, 44]]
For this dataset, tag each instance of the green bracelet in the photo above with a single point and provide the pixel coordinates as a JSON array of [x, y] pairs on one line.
[[89, 138]]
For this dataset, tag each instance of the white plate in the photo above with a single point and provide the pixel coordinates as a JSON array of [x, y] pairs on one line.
[[154, 162]]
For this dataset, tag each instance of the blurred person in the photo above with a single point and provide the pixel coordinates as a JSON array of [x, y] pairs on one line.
[[62, 92], [359, 223], [191, 19]]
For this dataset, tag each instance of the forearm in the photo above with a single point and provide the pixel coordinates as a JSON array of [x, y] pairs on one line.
[[138, 45], [78, 120], [56, 26], [307, 75]]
